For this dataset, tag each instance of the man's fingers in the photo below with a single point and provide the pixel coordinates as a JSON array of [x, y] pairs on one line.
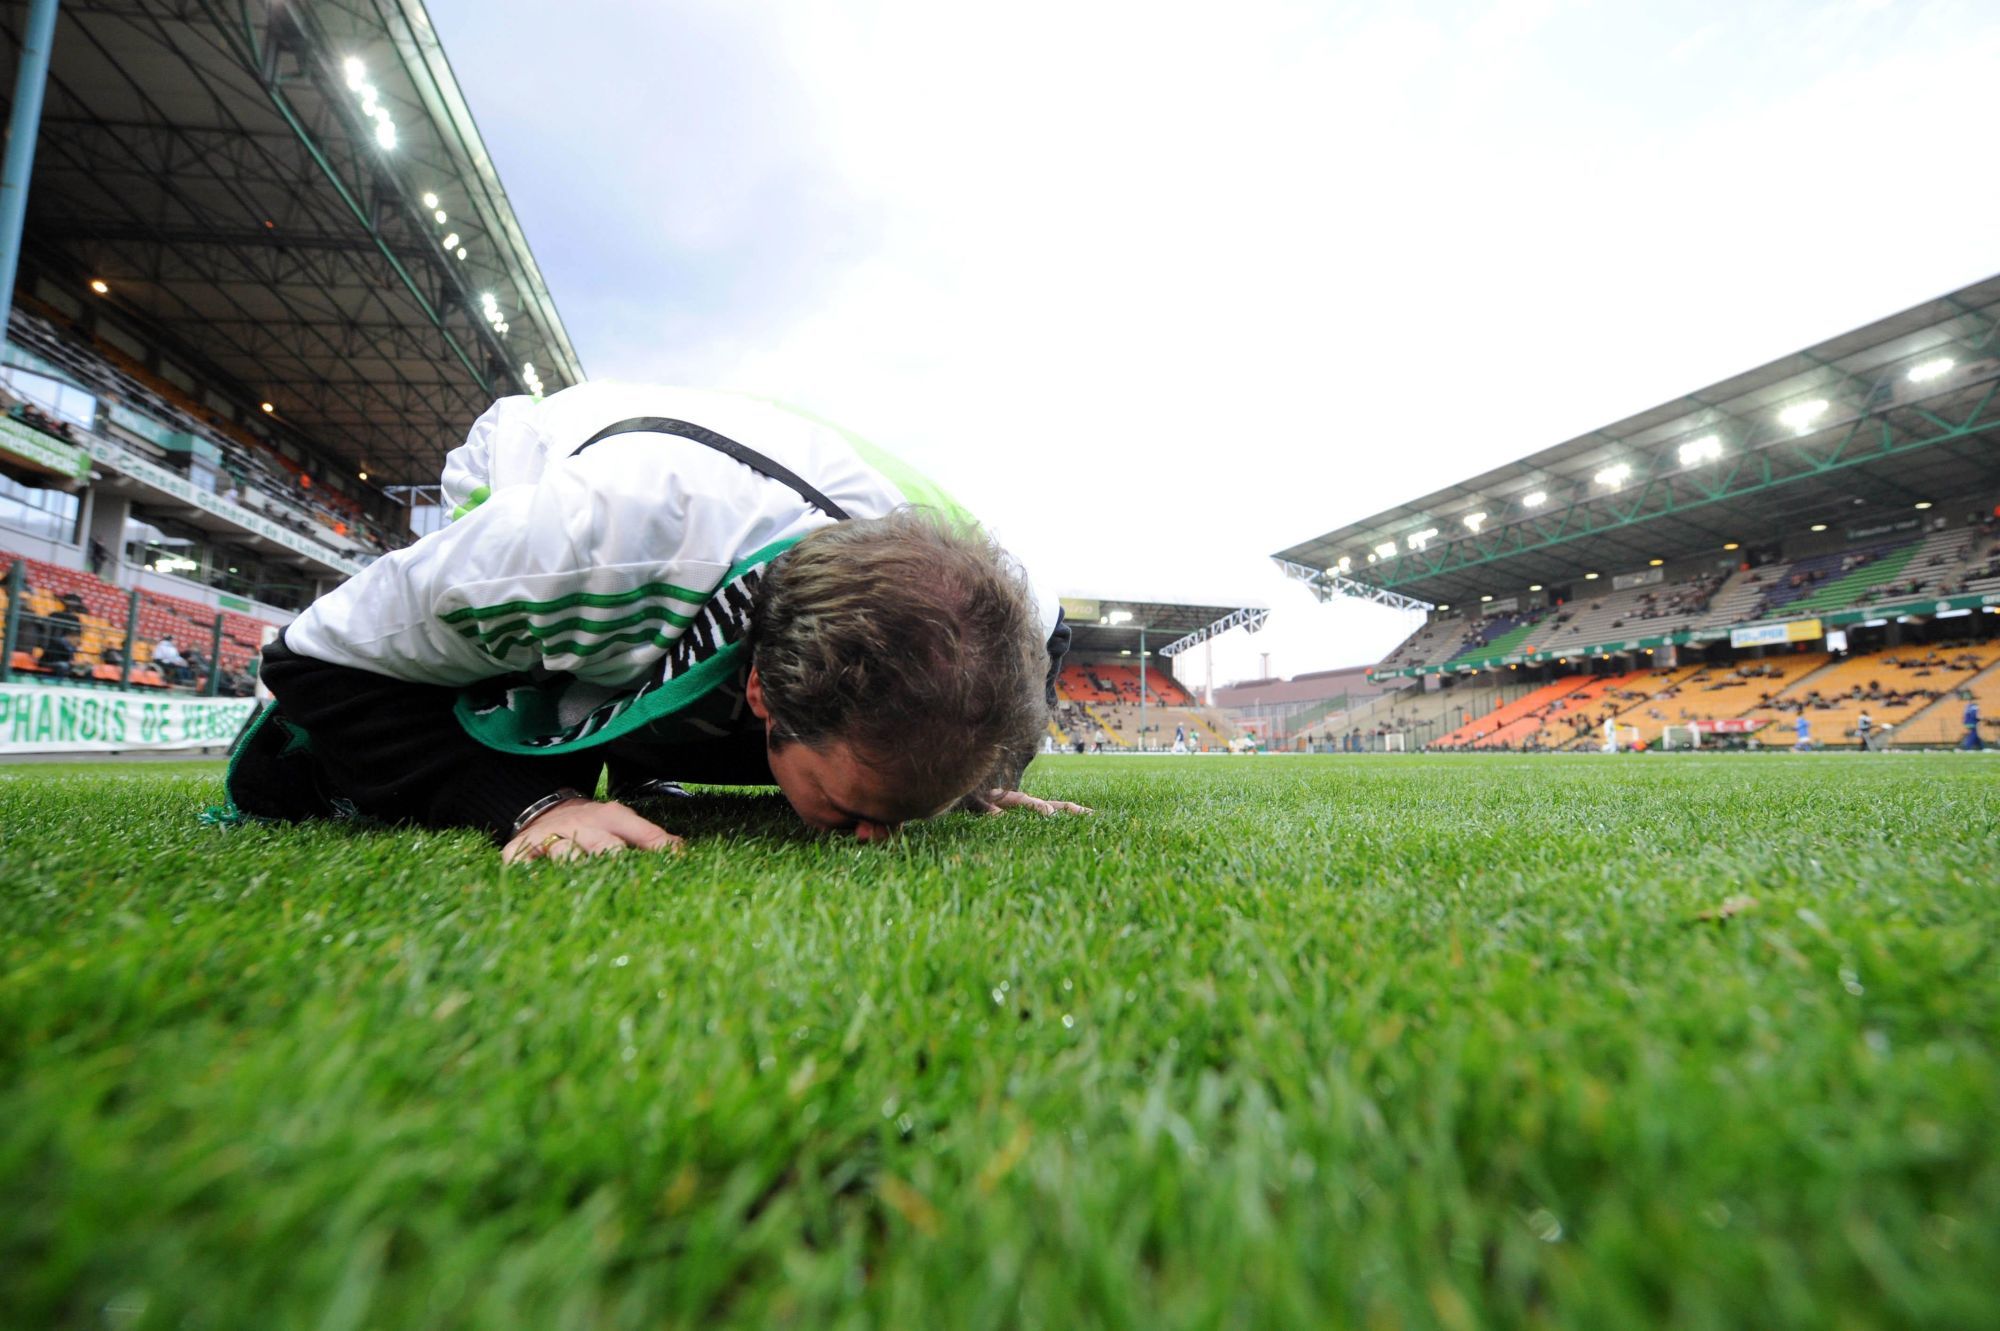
[[640, 832], [595, 841], [1015, 799]]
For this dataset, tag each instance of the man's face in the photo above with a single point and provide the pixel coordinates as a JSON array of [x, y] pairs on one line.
[[832, 787]]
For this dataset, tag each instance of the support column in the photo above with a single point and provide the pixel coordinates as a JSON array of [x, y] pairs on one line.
[[24, 125]]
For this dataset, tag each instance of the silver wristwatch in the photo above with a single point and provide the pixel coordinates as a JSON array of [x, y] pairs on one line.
[[543, 805]]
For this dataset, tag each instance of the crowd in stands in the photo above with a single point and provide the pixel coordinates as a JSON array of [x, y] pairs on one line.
[[1885, 696], [32, 416], [72, 628]]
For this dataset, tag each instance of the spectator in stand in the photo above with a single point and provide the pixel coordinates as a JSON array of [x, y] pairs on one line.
[[1972, 739], [99, 557], [197, 666], [169, 659]]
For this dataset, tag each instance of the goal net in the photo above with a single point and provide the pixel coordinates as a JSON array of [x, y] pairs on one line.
[[1394, 744], [1680, 737]]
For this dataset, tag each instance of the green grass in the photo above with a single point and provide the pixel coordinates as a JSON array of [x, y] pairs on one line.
[[1317, 1042]]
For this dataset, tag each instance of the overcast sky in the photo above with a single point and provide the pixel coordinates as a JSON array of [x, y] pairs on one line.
[[1159, 289]]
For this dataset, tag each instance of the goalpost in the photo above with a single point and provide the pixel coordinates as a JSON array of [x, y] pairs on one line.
[[1394, 743], [1680, 737]]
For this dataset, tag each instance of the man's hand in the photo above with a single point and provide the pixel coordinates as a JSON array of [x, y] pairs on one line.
[[999, 801], [581, 827]]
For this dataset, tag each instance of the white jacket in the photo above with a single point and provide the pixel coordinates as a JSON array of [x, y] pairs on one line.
[[631, 535]]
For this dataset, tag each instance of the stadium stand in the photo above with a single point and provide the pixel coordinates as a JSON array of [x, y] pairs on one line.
[[1507, 724], [1788, 538]]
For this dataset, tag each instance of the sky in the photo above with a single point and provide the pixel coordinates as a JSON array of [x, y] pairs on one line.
[[1159, 288]]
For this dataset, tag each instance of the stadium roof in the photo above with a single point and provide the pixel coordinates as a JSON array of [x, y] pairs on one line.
[[1898, 414], [297, 198], [1108, 625]]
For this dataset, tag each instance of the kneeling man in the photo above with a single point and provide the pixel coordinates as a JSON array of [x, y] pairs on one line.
[[681, 586]]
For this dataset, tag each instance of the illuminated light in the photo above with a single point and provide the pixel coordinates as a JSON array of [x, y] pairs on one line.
[[1344, 565], [1417, 540], [362, 474], [1801, 415], [1819, 526], [1656, 562], [451, 241], [1485, 598], [1534, 586], [1535, 499], [1442, 606], [1923, 504], [1931, 369], [1613, 476], [1386, 550], [430, 200], [1729, 545], [1371, 559], [1697, 451], [100, 286], [439, 214], [1121, 617], [1590, 577], [1474, 521], [267, 407], [461, 251], [1125, 651], [385, 134], [357, 73], [370, 99]]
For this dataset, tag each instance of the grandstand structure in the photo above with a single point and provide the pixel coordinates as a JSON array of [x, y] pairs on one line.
[[1818, 536], [1117, 689], [267, 276]]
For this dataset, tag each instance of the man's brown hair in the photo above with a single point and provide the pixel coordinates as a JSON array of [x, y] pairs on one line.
[[911, 638]]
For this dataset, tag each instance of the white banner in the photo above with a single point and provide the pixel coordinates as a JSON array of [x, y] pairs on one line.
[[38, 718]]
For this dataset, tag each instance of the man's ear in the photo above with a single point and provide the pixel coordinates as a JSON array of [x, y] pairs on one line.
[[753, 693]]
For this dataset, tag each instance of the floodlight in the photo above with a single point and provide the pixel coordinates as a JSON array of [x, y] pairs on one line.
[[1125, 651], [1485, 598], [1535, 499], [1417, 540], [1121, 617], [1819, 526], [1697, 451], [1590, 577], [1923, 503], [1474, 521], [357, 73], [99, 285], [1386, 550], [362, 474], [1801, 415], [1613, 476], [461, 251], [1655, 563], [1729, 545], [385, 134], [451, 241], [439, 214], [267, 407], [1931, 369], [1344, 565], [430, 200], [1534, 586]]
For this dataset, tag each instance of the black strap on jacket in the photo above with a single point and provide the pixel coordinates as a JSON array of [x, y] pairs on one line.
[[749, 457]]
